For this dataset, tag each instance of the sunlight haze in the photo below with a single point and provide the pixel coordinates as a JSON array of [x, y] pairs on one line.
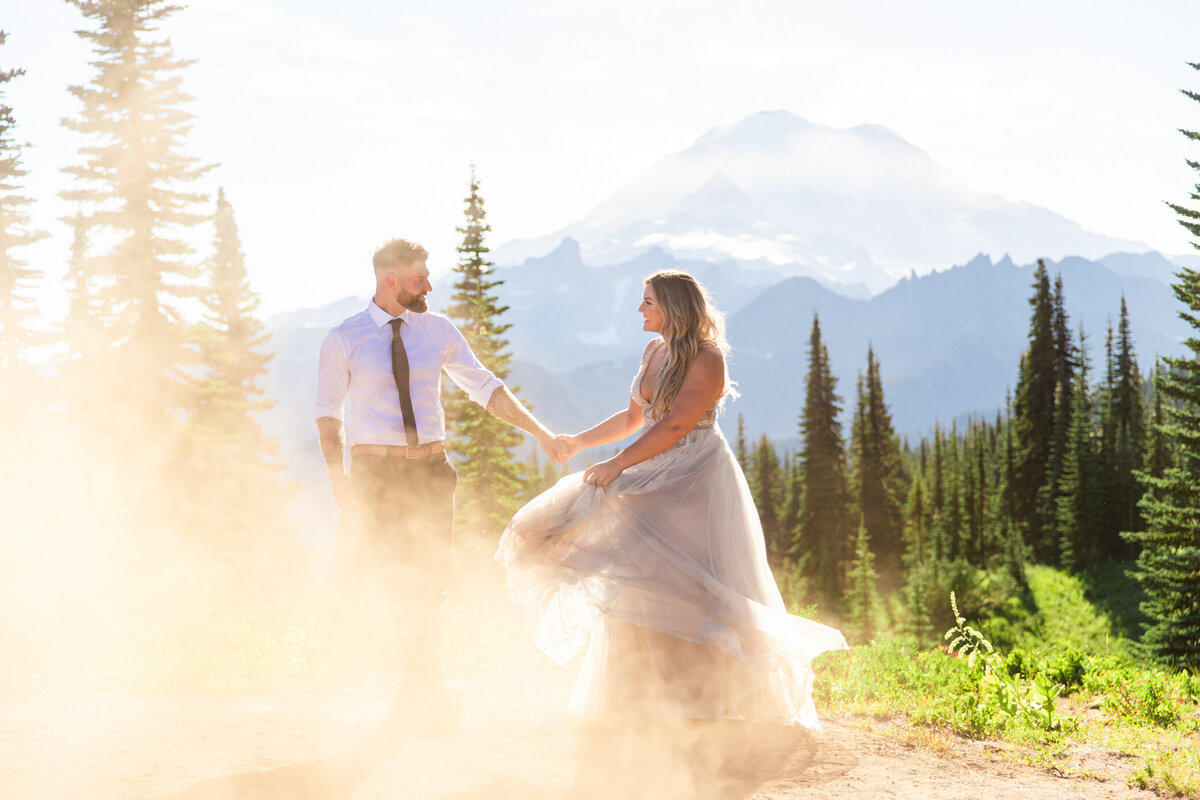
[[336, 127]]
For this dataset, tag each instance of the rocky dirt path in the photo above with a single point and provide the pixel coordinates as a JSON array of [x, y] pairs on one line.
[[515, 741], [511, 744]]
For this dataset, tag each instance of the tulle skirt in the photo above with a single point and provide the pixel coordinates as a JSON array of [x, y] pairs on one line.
[[663, 576]]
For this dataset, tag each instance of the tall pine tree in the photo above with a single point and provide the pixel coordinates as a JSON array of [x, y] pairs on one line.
[[490, 479], [767, 485], [17, 278], [740, 450], [824, 516], [232, 467], [134, 191], [1128, 427], [878, 474], [1034, 417], [1078, 487], [918, 564], [1168, 566], [862, 594]]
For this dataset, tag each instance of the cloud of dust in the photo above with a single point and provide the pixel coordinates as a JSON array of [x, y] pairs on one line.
[[163, 632]]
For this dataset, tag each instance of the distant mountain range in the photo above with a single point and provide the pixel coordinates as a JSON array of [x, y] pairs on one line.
[[783, 219], [948, 342], [856, 209]]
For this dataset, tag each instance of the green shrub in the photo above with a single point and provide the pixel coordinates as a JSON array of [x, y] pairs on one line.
[[1151, 698], [1068, 668]]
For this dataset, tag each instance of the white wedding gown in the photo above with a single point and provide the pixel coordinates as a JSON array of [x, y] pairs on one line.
[[663, 575]]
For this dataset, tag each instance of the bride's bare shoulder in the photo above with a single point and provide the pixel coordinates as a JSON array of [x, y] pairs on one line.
[[709, 359], [711, 351]]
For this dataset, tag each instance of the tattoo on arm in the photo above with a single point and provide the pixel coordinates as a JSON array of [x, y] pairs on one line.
[[504, 406]]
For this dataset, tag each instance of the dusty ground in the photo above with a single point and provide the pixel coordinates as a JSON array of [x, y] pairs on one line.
[[511, 744], [514, 741]]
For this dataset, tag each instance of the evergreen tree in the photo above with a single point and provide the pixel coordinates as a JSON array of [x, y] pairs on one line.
[[1006, 492], [824, 520], [862, 594], [1078, 482], [793, 498], [232, 467], [490, 480], [878, 475], [918, 577], [937, 496], [1158, 451], [1046, 504], [1128, 449], [1008, 533], [539, 477], [1168, 566], [1034, 417], [17, 309], [952, 526], [739, 448], [766, 485], [132, 189]]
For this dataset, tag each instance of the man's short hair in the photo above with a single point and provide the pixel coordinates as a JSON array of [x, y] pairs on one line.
[[396, 253]]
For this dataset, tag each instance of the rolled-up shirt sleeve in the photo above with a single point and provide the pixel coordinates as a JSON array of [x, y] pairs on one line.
[[333, 377], [465, 370]]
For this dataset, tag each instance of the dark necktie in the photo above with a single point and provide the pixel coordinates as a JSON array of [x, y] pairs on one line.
[[400, 371]]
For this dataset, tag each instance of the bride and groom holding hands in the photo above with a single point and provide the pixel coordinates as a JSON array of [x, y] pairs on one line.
[[653, 560]]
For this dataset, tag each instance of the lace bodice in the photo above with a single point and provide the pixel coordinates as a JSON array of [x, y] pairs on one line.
[[648, 416]]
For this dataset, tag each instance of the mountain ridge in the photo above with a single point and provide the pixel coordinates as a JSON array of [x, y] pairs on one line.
[[847, 205]]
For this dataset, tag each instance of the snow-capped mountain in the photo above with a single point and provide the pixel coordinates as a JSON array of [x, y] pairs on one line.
[[844, 206]]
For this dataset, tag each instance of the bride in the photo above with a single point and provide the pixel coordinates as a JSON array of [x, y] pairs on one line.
[[654, 559]]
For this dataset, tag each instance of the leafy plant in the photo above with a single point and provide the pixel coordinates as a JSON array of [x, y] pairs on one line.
[[1002, 697]]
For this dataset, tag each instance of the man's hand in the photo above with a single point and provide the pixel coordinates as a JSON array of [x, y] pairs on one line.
[[568, 445], [555, 449], [333, 447], [343, 495]]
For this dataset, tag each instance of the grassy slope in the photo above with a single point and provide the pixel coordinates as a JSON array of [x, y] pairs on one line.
[[1070, 630]]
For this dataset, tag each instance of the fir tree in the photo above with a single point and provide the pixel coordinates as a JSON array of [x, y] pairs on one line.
[[766, 485], [1078, 482], [862, 595], [490, 480], [232, 467], [132, 188], [824, 521], [878, 476], [952, 525], [1046, 504], [1128, 448], [1158, 450], [1168, 566], [539, 477], [937, 497], [793, 498], [17, 279], [1034, 417], [740, 450], [918, 576]]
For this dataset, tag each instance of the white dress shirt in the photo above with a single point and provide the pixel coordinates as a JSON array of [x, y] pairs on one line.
[[356, 367]]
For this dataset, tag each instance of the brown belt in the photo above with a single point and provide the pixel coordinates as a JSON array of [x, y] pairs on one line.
[[399, 451]]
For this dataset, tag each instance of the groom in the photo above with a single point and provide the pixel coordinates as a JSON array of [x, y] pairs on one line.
[[385, 363]]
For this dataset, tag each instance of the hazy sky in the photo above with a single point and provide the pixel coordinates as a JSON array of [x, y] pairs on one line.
[[339, 125]]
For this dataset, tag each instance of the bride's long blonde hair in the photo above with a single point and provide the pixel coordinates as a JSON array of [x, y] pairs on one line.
[[690, 321]]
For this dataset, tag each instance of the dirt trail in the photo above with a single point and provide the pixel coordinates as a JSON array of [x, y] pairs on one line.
[[514, 741], [511, 744]]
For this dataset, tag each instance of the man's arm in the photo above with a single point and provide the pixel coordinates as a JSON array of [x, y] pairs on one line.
[[505, 406], [333, 447]]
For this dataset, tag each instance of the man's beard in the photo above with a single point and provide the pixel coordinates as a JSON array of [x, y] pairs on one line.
[[413, 302]]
